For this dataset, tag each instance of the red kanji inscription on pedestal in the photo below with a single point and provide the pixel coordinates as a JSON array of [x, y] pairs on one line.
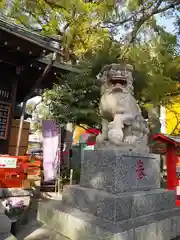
[[140, 170]]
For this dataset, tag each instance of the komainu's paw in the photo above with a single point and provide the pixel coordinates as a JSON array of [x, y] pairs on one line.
[[130, 139]]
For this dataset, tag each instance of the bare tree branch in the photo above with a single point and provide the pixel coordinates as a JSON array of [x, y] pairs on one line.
[[142, 9], [175, 128], [146, 13], [170, 6]]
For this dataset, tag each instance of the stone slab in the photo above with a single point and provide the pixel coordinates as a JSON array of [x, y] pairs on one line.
[[13, 192], [7, 236], [2, 207], [115, 171], [78, 225], [166, 229], [118, 207], [42, 233], [5, 224]]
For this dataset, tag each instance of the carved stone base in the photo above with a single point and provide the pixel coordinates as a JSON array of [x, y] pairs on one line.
[[78, 225], [118, 207], [125, 147], [7, 236], [122, 146], [115, 171], [113, 202]]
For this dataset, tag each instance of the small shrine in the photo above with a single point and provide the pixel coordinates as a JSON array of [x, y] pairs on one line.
[[172, 153], [27, 64]]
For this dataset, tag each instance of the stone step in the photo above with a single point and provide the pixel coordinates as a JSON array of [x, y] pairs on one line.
[[78, 225], [5, 224], [118, 207], [7, 236], [44, 233]]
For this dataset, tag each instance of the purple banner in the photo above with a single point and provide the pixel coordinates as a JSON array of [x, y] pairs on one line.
[[51, 133]]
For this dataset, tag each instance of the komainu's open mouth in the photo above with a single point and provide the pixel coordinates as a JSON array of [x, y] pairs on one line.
[[118, 81]]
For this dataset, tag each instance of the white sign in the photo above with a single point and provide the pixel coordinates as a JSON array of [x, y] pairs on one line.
[[90, 147], [178, 190], [8, 162]]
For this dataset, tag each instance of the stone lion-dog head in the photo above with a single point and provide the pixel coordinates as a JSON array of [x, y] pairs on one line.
[[116, 78]]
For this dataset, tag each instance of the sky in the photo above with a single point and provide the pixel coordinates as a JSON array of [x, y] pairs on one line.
[[167, 23]]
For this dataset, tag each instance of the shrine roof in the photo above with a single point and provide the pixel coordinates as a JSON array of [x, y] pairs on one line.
[[29, 50], [175, 140], [30, 75], [49, 43]]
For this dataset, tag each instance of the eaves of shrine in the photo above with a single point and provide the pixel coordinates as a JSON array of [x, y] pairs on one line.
[[24, 56]]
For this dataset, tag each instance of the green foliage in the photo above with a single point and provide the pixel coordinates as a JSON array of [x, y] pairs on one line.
[[156, 62], [132, 5], [140, 18], [2, 4], [76, 98], [76, 23], [82, 26], [86, 31], [39, 112], [155, 78]]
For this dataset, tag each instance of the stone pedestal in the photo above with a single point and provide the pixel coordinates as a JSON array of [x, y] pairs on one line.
[[119, 198], [116, 171]]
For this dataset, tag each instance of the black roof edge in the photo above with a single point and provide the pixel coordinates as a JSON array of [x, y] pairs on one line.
[[63, 66], [46, 42]]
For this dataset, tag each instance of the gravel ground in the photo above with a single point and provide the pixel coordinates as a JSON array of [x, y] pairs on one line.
[[34, 230]]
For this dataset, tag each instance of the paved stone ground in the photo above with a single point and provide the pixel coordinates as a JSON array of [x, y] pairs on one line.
[[34, 230], [44, 234]]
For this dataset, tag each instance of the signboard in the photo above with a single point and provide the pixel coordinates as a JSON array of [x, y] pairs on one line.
[[50, 149], [4, 119], [8, 162], [5, 94], [90, 147]]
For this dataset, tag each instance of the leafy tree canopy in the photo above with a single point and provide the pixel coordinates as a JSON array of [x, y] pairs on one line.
[[83, 25], [76, 23], [155, 79], [87, 30]]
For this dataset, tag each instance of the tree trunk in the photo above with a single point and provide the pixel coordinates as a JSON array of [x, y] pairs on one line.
[[154, 122]]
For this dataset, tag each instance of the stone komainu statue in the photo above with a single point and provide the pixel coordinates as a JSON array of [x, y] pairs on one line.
[[122, 121]]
